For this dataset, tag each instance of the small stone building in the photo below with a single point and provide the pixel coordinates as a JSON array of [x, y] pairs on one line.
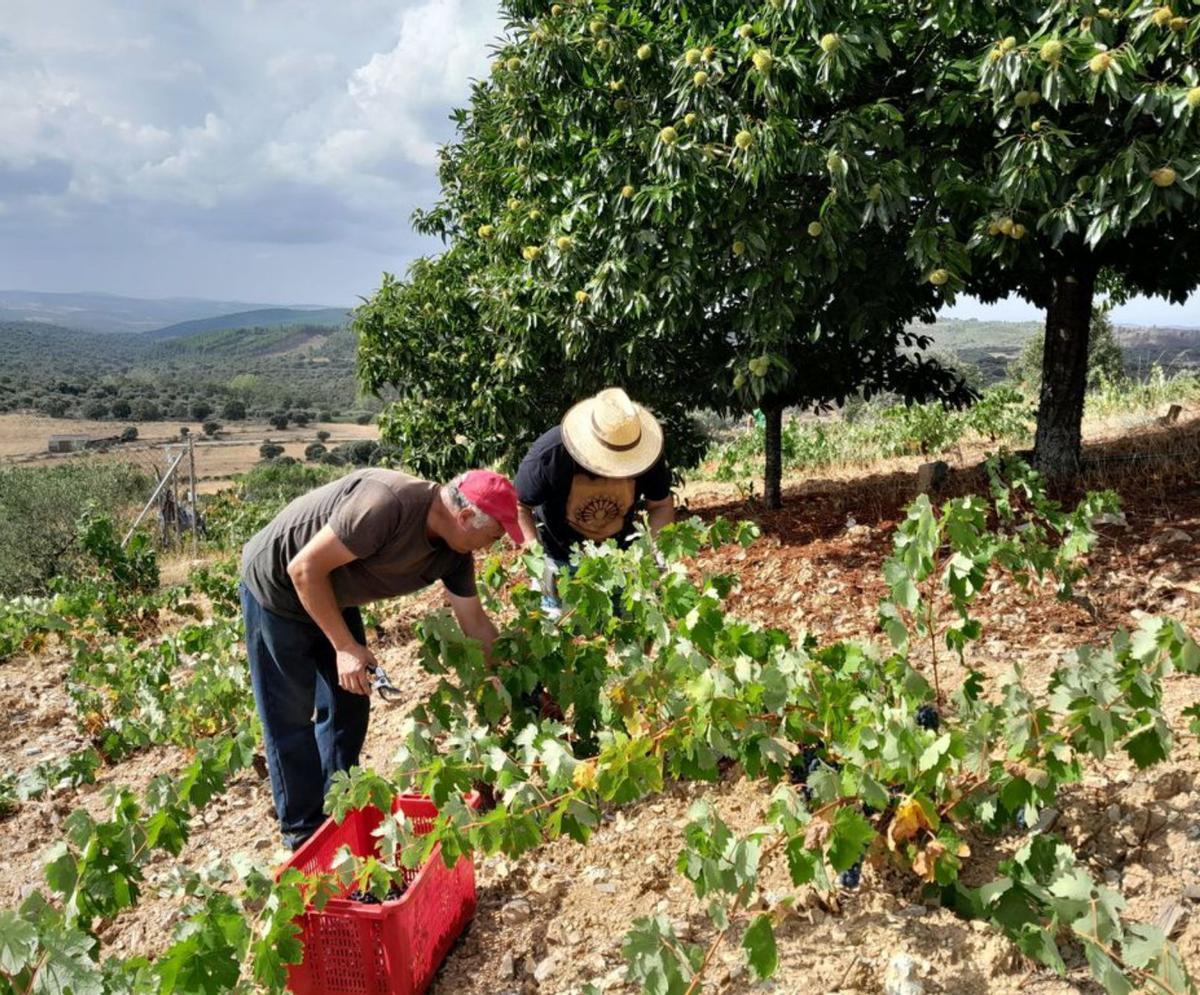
[[69, 443]]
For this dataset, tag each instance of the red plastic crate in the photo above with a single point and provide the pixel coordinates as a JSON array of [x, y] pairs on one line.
[[393, 948]]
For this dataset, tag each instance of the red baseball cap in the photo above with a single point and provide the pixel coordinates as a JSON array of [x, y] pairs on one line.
[[493, 495]]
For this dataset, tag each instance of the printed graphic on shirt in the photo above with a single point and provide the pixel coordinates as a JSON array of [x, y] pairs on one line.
[[597, 506]]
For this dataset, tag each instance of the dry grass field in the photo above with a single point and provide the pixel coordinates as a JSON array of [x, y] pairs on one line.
[[24, 440]]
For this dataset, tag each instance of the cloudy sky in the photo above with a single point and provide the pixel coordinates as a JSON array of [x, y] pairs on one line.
[[267, 150], [264, 150]]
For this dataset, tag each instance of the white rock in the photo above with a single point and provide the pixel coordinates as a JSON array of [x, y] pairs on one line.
[[546, 967], [901, 977], [508, 967], [516, 911]]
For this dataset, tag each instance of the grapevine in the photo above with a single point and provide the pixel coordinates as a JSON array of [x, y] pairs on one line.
[[871, 755], [869, 762]]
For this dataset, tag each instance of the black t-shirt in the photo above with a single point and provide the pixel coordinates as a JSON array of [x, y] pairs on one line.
[[572, 505]]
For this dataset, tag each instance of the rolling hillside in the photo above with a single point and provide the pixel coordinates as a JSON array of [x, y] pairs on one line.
[[113, 314], [259, 319], [68, 373]]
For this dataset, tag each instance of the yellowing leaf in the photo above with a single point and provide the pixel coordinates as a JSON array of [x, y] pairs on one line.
[[909, 820], [584, 776]]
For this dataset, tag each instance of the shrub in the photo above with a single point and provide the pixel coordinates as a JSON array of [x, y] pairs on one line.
[[184, 431], [94, 409], [129, 433], [211, 428], [363, 419], [233, 516], [279, 422], [1105, 359], [200, 410], [301, 418], [233, 411], [55, 407], [322, 436], [314, 451], [270, 450], [359, 452], [146, 411], [39, 508]]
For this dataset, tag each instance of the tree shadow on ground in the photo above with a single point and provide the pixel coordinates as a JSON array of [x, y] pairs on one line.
[[1150, 469]]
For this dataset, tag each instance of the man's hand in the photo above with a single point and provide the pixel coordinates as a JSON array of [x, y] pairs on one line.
[[474, 621], [354, 665]]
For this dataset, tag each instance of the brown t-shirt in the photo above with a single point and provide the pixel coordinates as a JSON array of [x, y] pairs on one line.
[[379, 515]]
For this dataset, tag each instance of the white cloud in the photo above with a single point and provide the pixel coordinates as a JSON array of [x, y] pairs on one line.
[[161, 111]]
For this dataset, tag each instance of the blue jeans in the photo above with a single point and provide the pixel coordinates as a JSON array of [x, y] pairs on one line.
[[551, 602], [312, 728]]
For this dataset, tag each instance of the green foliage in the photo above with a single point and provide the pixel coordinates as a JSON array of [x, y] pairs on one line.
[[133, 567], [662, 684], [234, 515], [39, 509], [230, 371], [1106, 362], [1151, 394], [670, 685], [585, 250], [1001, 415]]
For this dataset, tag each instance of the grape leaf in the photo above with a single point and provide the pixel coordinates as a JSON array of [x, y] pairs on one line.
[[759, 941], [18, 942]]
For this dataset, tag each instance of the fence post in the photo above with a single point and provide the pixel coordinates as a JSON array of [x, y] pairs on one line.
[[153, 497], [192, 489]]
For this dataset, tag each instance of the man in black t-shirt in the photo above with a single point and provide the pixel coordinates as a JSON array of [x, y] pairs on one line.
[[584, 479]]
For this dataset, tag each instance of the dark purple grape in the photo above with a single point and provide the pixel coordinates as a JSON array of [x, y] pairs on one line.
[[397, 890], [928, 718], [850, 877]]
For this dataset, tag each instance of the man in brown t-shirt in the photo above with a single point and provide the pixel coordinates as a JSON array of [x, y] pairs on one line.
[[370, 535]]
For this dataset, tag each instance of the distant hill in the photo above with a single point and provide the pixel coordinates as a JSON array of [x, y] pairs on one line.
[[991, 345], [69, 373], [111, 313], [261, 318], [234, 343]]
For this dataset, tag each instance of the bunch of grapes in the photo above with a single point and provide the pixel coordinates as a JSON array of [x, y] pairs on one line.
[[397, 890], [928, 718]]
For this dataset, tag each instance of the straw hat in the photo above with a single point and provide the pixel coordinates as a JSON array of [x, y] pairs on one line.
[[610, 436]]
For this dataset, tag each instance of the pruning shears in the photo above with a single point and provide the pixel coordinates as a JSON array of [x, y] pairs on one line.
[[383, 684]]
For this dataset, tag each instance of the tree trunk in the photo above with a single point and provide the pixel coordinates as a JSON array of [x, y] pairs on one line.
[[773, 474], [1064, 369]]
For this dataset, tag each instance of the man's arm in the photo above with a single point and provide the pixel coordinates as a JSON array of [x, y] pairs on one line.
[[660, 513], [309, 571], [528, 525], [474, 621]]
